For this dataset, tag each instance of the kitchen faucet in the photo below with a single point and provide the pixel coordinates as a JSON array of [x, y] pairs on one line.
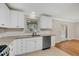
[[34, 32]]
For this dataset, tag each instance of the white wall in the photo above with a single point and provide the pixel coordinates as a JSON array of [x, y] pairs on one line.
[[76, 27], [58, 28]]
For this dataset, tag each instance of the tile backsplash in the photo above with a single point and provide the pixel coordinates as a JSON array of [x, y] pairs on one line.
[[2, 30]]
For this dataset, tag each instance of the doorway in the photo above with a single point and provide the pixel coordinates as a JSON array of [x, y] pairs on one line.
[[64, 32]]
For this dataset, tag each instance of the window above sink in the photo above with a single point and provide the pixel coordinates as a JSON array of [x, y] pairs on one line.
[[32, 25]]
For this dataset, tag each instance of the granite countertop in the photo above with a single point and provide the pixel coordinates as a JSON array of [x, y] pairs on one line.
[[6, 41], [14, 35]]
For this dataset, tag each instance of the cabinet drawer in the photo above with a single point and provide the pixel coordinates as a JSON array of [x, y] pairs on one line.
[[16, 47], [28, 45], [38, 43]]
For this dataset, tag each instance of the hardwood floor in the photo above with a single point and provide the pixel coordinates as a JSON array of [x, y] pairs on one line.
[[69, 46]]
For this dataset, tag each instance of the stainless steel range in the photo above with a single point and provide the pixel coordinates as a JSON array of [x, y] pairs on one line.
[[4, 50]]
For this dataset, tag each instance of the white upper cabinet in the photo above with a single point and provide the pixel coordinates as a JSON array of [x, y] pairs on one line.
[[4, 15], [17, 19], [10, 18], [21, 20], [45, 22], [52, 41], [13, 17]]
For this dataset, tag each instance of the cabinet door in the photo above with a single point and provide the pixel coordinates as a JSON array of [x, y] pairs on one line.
[[4, 15], [13, 47], [38, 43], [52, 41], [16, 47], [28, 45], [20, 20], [46, 22], [17, 19], [14, 18], [19, 47], [8, 18]]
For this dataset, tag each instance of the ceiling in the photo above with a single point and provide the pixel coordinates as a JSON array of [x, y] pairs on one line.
[[68, 11]]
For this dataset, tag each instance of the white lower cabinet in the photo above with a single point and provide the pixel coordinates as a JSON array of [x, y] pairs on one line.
[[28, 45], [25, 45], [52, 41], [15, 47], [38, 43]]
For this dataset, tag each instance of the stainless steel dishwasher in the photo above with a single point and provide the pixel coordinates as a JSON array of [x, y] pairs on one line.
[[46, 42]]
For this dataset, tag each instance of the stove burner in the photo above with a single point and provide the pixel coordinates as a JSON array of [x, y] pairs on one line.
[[2, 47], [4, 50]]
